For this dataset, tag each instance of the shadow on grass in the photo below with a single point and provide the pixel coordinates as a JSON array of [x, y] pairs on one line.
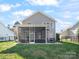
[[6, 41], [27, 51], [44, 51], [20, 49]]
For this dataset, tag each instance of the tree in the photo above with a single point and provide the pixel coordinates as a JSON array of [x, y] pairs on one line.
[[57, 37], [78, 34]]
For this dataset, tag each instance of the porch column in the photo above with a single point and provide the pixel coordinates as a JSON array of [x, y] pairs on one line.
[[46, 34], [29, 34], [55, 30], [34, 34], [18, 34]]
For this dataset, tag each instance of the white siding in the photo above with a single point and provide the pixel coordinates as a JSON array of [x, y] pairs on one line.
[[5, 33], [41, 19]]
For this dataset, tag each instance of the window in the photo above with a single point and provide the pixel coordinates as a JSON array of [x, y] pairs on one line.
[[2, 38]]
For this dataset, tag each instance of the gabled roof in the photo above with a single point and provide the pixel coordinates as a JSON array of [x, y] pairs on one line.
[[16, 23], [47, 15], [75, 26], [65, 31], [42, 13], [4, 31]]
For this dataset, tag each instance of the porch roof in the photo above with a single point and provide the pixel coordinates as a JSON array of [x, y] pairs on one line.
[[33, 25]]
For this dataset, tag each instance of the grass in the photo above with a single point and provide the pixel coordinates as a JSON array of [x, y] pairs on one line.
[[11, 50], [69, 40]]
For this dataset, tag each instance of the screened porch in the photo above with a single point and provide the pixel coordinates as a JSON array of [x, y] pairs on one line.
[[32, 34]]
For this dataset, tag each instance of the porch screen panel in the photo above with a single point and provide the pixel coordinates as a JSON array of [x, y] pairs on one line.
[[40, 34], [24, 34]]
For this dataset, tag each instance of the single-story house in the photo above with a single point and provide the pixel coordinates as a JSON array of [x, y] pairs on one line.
[[5, 33], [71, 33], [38, 28]]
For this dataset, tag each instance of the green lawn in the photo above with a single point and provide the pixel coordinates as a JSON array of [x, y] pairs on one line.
[[11, 50], [69, 40]]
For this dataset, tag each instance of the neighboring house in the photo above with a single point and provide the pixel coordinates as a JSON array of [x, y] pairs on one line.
[[66, 34], [75, 29], [5, 33], [71, 33], [15, 29], [38, 28]]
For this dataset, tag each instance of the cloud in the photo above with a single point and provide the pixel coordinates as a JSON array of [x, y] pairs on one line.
[[16, 5], [77, 18], [23, 13], [73, 1], [67, 14], [49, 11], [44, 2], [5, 7], [8, 7], [64, 24], [20, 15], [72, 5]]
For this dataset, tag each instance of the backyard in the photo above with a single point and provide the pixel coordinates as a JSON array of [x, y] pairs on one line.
[[12, 50]]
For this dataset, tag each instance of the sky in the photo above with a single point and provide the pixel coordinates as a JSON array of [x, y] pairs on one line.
[[65, 12]]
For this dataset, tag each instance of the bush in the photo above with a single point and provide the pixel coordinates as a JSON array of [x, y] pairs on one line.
[[57, 37]]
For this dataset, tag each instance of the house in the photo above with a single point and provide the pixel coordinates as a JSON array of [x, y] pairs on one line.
[[71, 33], [38, 28], [5, 33], [66, 34], [15, 27], [75, 30]]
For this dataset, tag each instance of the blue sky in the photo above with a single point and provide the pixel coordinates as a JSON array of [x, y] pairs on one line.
[[65, 12]]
